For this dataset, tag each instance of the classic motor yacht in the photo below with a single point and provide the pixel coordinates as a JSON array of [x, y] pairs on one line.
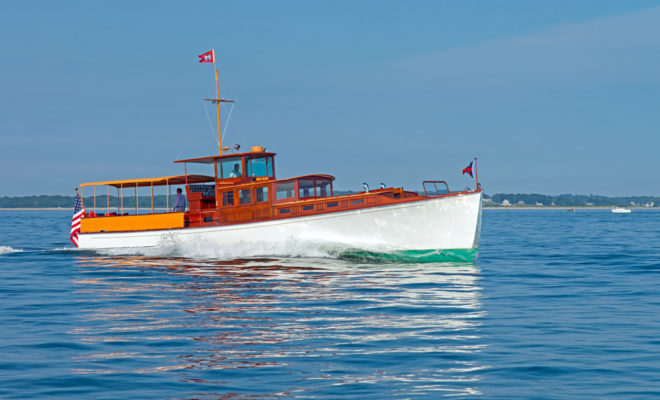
[[242, 200]]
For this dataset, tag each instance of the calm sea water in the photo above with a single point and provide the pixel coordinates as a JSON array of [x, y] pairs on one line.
[[557, 306]]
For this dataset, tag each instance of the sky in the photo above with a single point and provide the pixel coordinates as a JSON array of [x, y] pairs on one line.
[[551, 97]]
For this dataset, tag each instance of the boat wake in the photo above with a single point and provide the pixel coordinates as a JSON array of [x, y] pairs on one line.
[[171, 247], [291, 248], [7, 250]]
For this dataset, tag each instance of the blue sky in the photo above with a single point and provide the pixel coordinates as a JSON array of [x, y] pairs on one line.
[[552, 97]]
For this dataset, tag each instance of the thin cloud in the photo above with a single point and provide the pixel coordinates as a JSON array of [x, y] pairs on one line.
[[621, 49]]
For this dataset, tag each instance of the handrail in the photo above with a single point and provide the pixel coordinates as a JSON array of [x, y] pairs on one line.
[[435, 185]]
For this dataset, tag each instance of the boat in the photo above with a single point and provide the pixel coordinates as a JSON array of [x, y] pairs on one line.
[[621, 210], [241, 200]]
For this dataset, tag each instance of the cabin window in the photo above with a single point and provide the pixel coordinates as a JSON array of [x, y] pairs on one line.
[[260, 166], [244, 196], [314, 187], [306, 188], [262, 194], [284, 191], [227, 198], [285, 210], [321, 186], [361, 201], [330, 205], [308, 208], [230, 168]]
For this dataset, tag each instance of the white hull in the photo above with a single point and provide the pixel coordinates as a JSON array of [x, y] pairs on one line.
[[438, 224]]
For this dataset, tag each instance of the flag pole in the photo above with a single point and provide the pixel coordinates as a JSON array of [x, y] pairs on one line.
[[81, 199], [476, 178]]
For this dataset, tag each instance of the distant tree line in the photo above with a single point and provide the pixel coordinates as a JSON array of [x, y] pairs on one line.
[[47, 201], [572, 200], [562, 200]]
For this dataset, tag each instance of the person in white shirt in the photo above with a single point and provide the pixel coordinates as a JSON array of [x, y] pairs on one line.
[[236, 172]]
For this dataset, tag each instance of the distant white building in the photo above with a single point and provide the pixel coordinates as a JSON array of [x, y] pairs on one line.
[[521, 203], [506, 202], [538, 203]]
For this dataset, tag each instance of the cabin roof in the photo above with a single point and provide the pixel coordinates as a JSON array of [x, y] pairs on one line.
[[323, 176], [160, 181], [211, 159], [232, 185]]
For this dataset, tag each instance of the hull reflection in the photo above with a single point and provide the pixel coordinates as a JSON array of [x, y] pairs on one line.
[[283, 327]]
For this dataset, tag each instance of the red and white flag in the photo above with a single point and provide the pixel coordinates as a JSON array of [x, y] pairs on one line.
[[78, 212], [207, 57]]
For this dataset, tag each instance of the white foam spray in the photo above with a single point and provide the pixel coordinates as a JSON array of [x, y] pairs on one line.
[[7, 250], [172, 246]]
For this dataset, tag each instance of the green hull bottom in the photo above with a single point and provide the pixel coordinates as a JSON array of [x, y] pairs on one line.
[[415, 256]]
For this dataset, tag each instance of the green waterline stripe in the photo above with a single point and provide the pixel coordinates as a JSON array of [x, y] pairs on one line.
[[417, 256]]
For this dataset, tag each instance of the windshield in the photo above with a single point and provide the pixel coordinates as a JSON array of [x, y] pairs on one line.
[[260, 166]]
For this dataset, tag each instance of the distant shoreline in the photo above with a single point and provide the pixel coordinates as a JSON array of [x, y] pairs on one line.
[[147, 210], [499, 200], [565, 208]]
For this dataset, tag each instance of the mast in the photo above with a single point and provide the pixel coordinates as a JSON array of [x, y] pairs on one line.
[[217, 96], [217, 102]]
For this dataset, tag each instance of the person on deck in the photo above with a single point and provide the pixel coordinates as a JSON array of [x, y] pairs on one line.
[[236, 173], [180, 204]]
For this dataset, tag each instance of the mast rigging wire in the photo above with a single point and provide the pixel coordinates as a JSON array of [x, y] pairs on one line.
[[208, 117], [190, 138], [228, 118]]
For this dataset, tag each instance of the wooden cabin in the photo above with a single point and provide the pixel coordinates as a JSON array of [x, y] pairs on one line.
[[243, 189]]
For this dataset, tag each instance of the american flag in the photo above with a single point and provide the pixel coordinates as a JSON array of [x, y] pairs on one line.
[[78, 211]]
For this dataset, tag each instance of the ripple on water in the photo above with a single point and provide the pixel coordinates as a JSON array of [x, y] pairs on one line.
[[566, 311], [324, 327]]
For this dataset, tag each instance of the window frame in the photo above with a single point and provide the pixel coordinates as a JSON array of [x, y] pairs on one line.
[[233, 198], [256, 197], [241, 197], [294, 197], [270, 166], [220, 165]]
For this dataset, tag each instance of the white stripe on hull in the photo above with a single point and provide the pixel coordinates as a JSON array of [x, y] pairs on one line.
[[442, 223]]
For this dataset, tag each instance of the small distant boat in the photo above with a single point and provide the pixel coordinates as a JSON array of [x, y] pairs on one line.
[[621, 210], [571, 210]]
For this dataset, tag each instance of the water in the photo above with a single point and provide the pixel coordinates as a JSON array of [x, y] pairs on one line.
[[557, 306]]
